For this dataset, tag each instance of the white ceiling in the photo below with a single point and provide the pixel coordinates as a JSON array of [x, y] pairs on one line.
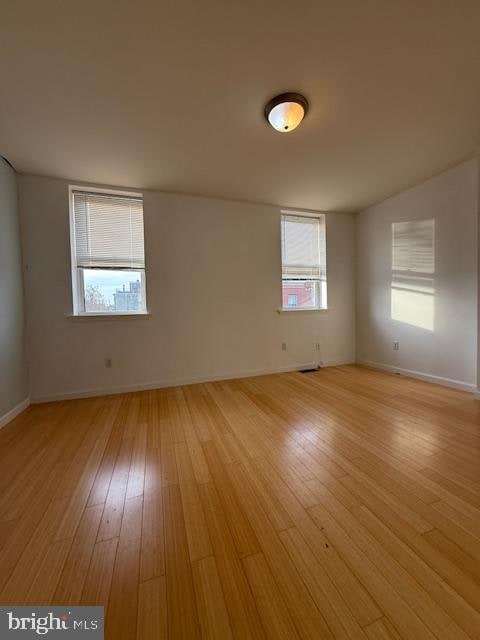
[[170, 94]]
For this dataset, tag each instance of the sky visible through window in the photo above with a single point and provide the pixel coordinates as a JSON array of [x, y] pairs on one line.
[[108, 282]]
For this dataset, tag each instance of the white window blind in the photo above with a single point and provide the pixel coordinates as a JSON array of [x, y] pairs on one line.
[[304, 261], [108, 231]]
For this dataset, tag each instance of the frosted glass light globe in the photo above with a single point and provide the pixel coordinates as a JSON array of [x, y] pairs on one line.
[[286, 116], [286, 111]]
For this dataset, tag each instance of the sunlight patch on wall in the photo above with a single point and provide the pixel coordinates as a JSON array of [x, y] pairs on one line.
[[413, 269]]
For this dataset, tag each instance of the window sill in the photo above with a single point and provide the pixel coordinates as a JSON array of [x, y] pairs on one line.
[[81, 317], [281, 311]]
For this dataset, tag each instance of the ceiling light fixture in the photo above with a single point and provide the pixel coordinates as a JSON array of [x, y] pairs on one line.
[[286, 111]]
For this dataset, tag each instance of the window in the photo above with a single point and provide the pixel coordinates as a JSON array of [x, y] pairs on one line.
[[304, 274], [108, 259]]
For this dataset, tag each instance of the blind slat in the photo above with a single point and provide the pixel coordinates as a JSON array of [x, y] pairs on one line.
[[303, 247], [108, 231]]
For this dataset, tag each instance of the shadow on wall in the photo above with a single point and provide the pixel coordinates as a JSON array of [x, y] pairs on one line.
[[413, 273]]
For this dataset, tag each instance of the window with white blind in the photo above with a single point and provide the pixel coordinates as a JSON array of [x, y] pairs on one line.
[[304, 268], [108, 257]]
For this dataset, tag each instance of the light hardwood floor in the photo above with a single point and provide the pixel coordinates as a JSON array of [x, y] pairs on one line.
[[338, 504]]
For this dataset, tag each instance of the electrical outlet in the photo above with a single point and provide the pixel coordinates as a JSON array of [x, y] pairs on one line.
[[317, 346], [108, 363], [396, 345], [284, 346]]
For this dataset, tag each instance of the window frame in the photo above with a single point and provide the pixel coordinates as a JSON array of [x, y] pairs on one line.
[[318, 283], [78, 290]]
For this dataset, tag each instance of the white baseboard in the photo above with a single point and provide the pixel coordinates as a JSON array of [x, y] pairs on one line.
[[427, 377], [13, 413], [106, 391], [337, 363]]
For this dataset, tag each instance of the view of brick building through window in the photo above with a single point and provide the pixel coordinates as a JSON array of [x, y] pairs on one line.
[[297, 293]]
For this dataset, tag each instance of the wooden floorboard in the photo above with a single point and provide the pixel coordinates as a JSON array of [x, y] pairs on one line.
[[343, 503]]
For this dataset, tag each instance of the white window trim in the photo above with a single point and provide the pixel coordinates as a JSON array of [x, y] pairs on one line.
[[306, 214], [115, 315], [77, 274], [282, 310]]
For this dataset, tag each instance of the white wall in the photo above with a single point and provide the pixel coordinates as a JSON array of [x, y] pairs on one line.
[[449, 350], [213, 287], [13, 370]]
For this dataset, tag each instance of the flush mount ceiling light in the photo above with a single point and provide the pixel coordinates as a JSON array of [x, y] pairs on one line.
[[286, 111]]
